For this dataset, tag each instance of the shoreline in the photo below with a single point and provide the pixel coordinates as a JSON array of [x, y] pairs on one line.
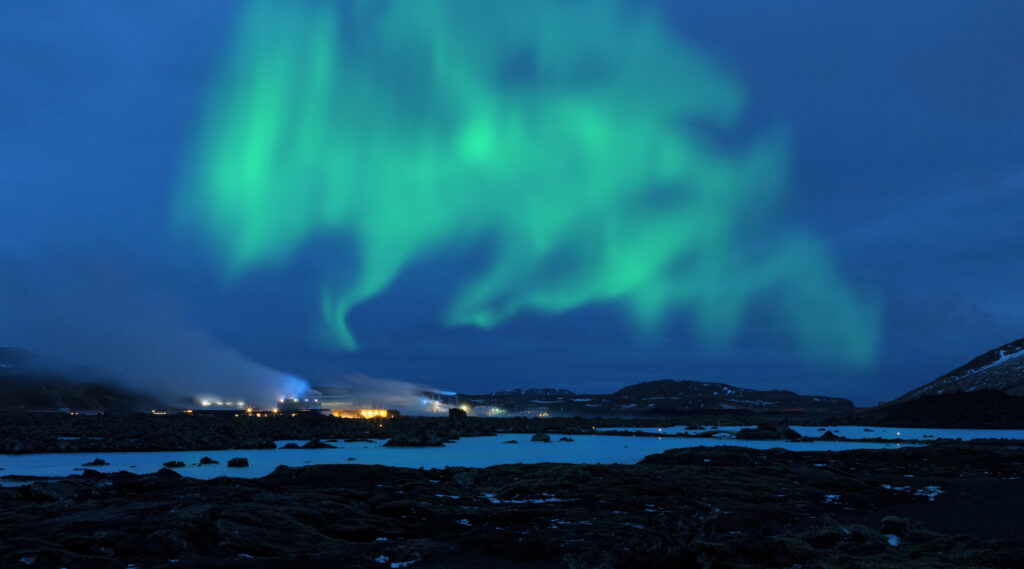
[[731, 506]]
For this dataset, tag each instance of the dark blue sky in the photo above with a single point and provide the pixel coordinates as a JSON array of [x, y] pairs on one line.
[[907, 129]]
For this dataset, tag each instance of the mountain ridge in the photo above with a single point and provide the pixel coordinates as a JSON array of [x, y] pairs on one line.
[[1000, 369], [660, 396]]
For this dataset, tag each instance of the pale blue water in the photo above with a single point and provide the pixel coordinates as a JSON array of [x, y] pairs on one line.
[[893, 433], [468, 451], [855, 432]]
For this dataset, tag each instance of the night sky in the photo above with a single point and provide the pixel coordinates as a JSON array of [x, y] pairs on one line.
[[467, 199]]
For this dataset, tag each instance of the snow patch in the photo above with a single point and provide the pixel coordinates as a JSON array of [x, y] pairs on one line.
[[929, 492], [548, 498], [1003, 356]]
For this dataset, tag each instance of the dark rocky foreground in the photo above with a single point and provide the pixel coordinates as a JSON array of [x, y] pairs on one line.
[[946, 505]]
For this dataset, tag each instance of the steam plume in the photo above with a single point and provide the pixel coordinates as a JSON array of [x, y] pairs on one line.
[[93, 313]]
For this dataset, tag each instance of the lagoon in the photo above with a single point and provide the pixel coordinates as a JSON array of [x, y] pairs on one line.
[[466, 452], [848, 431]]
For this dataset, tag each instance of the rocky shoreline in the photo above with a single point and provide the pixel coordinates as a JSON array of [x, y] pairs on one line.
[[55, 433], [698, 507]]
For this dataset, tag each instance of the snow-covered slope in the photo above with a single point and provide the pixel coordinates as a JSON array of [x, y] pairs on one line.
[[1000, 369]]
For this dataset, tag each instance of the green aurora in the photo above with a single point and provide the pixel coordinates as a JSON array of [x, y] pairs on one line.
[[579, 141]]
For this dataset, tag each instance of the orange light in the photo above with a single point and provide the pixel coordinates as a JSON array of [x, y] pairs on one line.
[[359, 413]]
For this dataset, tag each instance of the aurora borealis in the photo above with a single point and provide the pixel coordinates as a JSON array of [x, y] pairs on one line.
[[818, 197], [590, 164]]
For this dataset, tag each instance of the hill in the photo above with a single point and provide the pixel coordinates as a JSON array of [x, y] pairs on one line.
[[27, 382], [662, 397], [985, 393], [982, 409], [1000, 369]]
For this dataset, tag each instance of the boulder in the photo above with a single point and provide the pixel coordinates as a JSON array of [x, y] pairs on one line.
[[52, 491], [769, 431], [891, 525], [207, 460], [422, 438], [541, 438], [829, 436], [167, 542], [317, 443], [97, 462], [174, 464], [238, 462], [247, 538]]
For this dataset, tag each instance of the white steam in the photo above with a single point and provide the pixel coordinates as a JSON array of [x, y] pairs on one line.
[[95, 314]]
